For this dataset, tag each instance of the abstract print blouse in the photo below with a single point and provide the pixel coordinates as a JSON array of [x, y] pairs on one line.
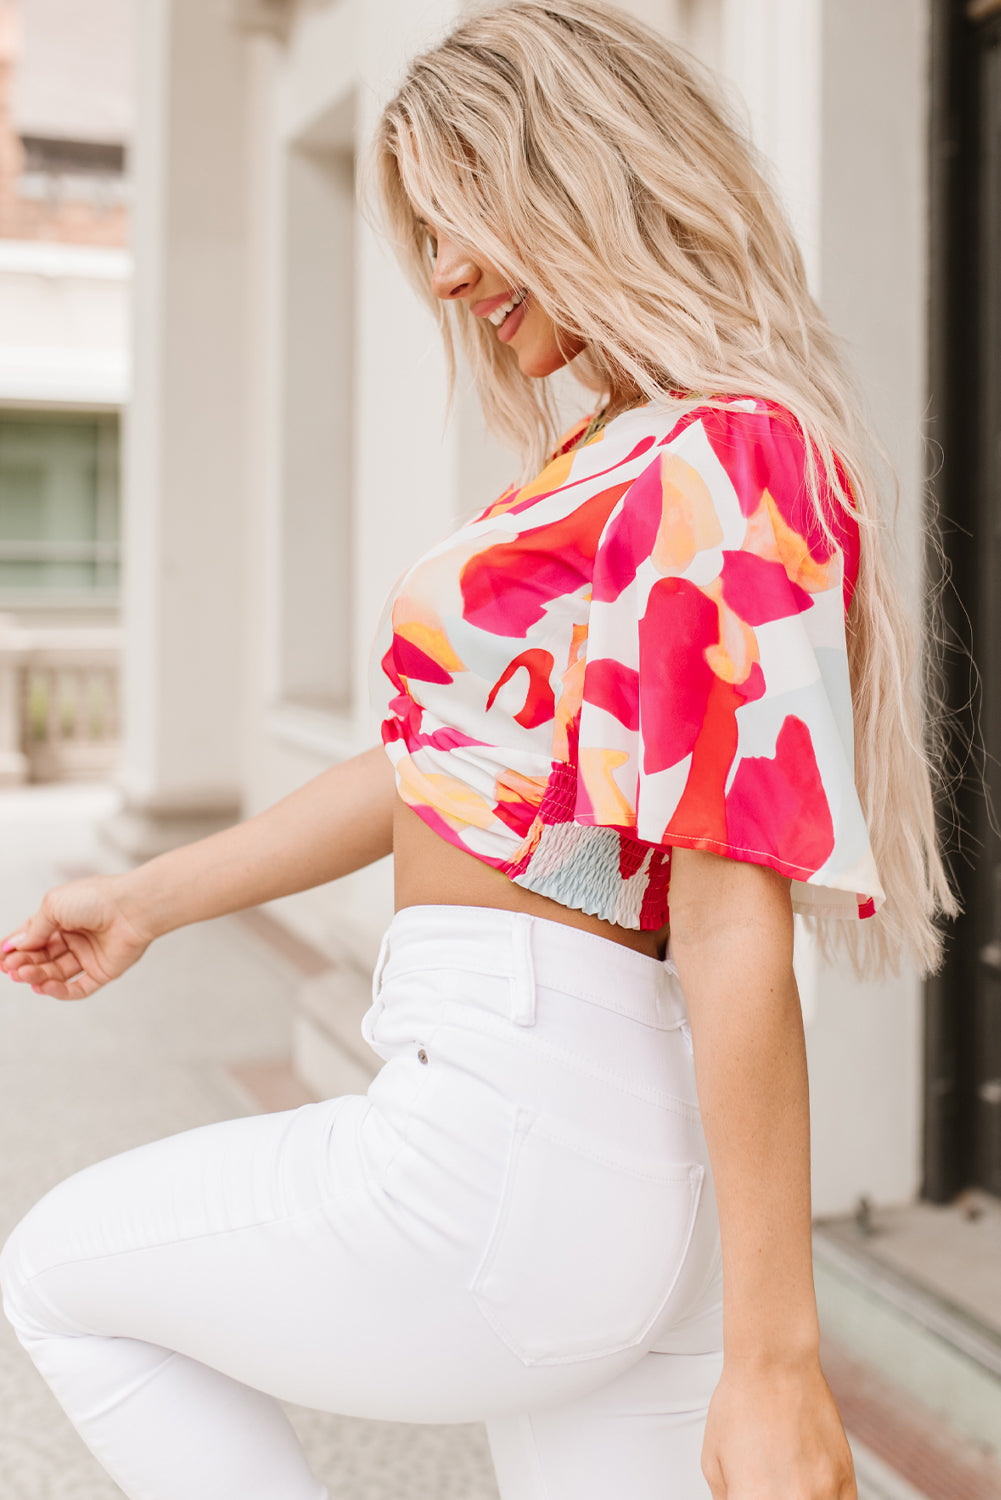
[[642, 647]]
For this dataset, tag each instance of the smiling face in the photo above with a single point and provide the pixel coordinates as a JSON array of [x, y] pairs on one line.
[[460, 275]]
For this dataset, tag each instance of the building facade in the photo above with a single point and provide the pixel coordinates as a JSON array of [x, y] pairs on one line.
[[287, 454], [65, 116]]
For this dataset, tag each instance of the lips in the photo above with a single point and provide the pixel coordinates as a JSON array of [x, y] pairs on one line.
[[502, 313], [509, 327], [482, 309], [490, 305]]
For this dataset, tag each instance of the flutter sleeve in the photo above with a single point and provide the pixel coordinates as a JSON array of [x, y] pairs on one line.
[[716, 708]]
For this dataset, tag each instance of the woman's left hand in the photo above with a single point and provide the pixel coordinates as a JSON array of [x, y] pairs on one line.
[[773, 1433]]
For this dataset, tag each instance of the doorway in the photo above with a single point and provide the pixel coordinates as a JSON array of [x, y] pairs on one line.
[[963, 1012]]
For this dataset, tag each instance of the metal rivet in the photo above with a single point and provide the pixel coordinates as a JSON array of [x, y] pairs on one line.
[[422, 1055]]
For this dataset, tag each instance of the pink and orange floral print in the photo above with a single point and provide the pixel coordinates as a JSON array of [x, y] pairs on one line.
[[643, 647]]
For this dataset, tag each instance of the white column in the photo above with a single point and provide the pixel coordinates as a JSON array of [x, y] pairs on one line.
[[185, 434], [771, 51]]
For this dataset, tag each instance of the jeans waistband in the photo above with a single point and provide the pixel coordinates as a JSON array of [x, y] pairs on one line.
[[528, 951]]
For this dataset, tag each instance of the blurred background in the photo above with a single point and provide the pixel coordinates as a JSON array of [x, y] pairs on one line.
[[222, 438]]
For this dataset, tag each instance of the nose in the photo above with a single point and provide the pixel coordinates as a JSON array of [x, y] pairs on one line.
[[455, 271]]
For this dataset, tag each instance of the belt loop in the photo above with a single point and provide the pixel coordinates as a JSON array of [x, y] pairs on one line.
[[671, 969], [522, 971], [370, 1019], [380, 964]]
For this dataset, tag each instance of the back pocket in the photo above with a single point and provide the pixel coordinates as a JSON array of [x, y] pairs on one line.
[[586, 1247]]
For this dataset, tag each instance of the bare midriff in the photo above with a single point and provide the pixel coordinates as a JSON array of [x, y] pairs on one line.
[[428, 871]]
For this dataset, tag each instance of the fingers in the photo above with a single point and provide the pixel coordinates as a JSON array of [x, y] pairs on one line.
[[36, 933], [78, 989], [38, 942], [26, 966], [18, 958], [34, 972], [67, 968], [64, 979]]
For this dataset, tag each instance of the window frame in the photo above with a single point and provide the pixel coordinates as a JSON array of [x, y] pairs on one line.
[[104, 551]]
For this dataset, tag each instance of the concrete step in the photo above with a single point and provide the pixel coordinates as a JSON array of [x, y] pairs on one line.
[[913, 1335]]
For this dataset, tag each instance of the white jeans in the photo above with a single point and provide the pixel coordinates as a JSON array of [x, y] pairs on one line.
[[515, 1224]]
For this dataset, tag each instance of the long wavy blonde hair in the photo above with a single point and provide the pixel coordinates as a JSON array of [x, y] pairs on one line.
[[591, 161]]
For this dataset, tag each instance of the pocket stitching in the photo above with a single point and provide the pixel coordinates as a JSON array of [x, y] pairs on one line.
[[690, 1174], [521, 1126]]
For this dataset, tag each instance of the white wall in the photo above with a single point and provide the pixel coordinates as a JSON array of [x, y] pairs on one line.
[[866, 1041], [834, 94]]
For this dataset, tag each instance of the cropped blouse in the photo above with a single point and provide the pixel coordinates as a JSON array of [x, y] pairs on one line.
[[642, 647]]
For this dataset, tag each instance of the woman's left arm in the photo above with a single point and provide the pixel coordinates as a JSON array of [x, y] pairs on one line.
[[773, 1428]]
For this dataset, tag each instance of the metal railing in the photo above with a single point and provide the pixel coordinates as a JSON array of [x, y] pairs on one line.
[[59, 702]]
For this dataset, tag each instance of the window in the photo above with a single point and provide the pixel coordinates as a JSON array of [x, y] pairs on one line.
[[58, 507], [316, 540], [56, 170]]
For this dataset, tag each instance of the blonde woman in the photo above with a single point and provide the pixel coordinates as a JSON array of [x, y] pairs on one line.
[[575, 1202]]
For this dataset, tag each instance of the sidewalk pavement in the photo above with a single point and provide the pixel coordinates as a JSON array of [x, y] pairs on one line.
[[146, 1058]]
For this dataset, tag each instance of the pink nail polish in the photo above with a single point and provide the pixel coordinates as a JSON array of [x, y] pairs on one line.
[[12, 942]]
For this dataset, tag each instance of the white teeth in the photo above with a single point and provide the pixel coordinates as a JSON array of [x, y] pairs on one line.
[[499, 314]]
